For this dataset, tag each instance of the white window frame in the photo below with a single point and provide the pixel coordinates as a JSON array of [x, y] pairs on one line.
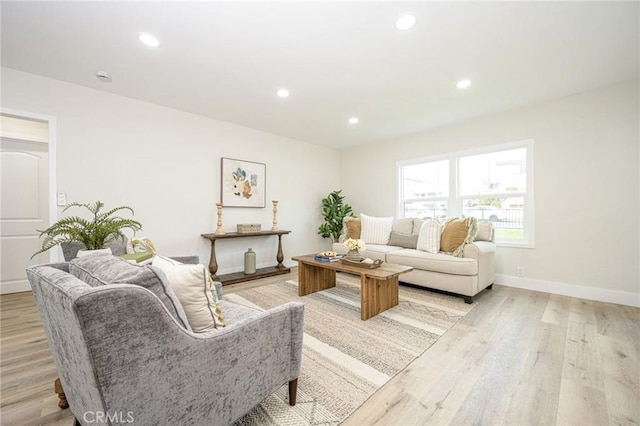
[[455, 202]]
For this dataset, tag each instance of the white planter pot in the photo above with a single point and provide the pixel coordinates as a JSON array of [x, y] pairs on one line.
[[82, 253]]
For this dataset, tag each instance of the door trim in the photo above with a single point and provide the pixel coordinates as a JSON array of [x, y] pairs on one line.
[[54, 255]]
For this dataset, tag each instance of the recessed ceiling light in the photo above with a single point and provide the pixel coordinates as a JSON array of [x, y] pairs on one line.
[[406, 22], [103, 76], [353, 120], [463, 84], [283, 93], [149, 40]]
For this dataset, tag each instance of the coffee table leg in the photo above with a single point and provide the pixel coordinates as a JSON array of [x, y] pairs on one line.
[[314, 278], [377, 296]]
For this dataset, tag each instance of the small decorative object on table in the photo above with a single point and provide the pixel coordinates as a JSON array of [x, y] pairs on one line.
[[219, 230], [275, 215], [354, 248], [245, 228], [249, 262], [328, 256]]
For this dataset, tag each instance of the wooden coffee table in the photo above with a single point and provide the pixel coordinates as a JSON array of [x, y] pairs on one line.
[[378, 289]]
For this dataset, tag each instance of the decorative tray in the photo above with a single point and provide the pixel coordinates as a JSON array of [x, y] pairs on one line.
[[361, 264]]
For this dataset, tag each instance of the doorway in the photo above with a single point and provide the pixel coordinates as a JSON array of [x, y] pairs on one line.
[[27, 185]]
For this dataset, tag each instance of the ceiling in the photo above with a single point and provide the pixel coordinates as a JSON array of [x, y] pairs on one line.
[[226, 60]]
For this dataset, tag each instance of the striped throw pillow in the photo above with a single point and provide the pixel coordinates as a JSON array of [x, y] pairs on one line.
[[375, 230], [429, 236]]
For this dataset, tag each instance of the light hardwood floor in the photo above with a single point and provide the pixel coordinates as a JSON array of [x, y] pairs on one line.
[[519, 358]]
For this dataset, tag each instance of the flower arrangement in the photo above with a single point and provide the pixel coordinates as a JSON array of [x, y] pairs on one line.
[[355, 245]]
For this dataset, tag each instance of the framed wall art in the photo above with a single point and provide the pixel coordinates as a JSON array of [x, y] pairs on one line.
[[243, 183]]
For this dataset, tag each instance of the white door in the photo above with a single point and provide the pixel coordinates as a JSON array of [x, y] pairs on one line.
[[24, 209]]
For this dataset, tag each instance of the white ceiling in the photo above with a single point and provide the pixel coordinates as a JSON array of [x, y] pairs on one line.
[[225, 60]]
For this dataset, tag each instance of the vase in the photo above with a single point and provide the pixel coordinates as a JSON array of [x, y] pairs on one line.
[[249, 262], [354, 255]]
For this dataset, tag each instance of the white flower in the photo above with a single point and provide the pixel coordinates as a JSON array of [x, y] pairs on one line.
[[353, 244]]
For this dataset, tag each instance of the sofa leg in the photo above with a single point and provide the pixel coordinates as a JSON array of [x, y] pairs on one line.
[[293, 390], [490, 287], [76, 422], [468, 299]]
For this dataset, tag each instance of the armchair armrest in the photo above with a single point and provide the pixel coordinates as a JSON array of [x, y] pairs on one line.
[[164, 374]]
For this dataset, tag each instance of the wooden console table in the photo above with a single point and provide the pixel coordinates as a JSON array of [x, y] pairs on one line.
[[238, 277]]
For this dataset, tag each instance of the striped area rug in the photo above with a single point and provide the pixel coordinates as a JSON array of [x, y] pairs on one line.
[[345, 360]]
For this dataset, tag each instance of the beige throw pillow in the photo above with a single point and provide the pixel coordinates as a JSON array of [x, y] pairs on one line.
[[353, 227], [456, 234], [194, 288]]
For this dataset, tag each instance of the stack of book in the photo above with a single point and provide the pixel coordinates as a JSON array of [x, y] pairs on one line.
[[324, 257], [138, 258]]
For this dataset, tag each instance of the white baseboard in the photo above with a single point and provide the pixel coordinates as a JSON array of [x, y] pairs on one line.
[[572, 290], [15, 287]]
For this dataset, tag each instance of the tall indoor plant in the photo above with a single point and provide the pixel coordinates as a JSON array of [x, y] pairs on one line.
[[93, 233], [334, 210]]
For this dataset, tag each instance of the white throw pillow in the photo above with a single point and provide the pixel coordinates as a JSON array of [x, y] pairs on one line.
[[194, 288], [375, 230], [429, 236]]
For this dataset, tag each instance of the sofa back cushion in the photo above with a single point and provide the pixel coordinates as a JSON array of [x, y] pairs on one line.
[[103, 269], [403, 226], [485, 231]]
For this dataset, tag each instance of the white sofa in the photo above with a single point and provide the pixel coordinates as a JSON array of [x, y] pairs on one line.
[[467, 275]]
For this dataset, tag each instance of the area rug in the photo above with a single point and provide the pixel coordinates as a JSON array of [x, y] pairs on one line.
[[345, 360]]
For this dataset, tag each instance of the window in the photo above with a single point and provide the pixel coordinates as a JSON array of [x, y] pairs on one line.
[[494, 184]]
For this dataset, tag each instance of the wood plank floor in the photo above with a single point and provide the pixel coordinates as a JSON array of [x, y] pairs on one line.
[[519, 358]]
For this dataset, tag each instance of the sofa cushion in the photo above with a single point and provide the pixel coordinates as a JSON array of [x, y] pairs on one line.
[[103, 269], [457, 233], [194, 288], [402, 226], [352, 227], [403, 240], [485, 231], [429, 236], [376, 230], [439, 262]]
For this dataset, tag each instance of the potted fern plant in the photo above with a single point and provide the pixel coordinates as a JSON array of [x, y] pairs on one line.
[[93, 233], [334, 210]]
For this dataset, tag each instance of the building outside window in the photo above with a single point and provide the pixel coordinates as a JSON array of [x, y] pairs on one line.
[[494, 184]]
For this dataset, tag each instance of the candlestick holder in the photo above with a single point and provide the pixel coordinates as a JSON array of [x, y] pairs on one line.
[[275, 215], [219, 230]]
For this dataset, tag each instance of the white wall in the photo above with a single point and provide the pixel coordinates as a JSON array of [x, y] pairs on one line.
[[166, 165], [586, 188]]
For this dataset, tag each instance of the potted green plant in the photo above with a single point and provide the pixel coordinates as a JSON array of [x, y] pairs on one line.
[[334, 210], [93, 233]]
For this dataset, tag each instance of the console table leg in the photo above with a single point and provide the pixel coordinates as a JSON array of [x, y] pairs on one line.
[[280, 255], [213, 263]]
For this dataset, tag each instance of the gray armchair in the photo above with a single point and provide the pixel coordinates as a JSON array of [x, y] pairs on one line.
[[120, 353]]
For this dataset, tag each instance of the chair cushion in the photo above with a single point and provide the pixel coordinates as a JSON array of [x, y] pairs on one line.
[[103, 269], [194, 288], [440, 262]]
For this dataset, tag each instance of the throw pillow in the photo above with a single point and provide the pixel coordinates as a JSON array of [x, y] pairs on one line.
[[403, 240], [195, 290], [429, 236], [353, 227], [457, 233], [375, 230], [103, 269], [485, 231]]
